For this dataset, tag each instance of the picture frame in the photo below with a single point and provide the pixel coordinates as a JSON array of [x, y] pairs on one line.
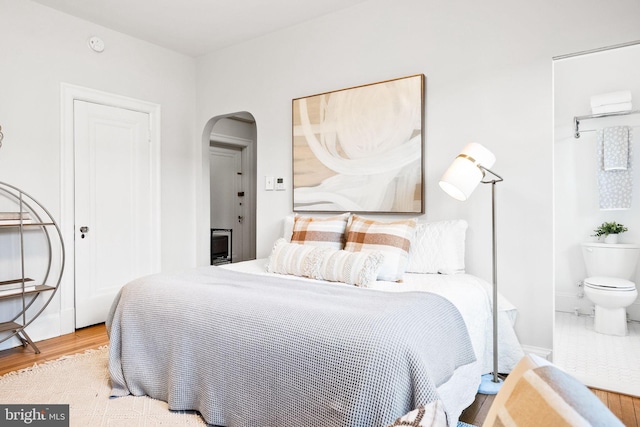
[[360, 149]]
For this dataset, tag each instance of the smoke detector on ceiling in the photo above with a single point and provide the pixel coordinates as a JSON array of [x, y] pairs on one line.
[[96, 44]]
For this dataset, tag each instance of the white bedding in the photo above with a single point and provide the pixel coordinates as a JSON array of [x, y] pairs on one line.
[[472, 296]]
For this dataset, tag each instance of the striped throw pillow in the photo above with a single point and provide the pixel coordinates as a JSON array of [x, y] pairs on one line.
[[429, 415], [316, 231], [294, 259], [547, 396], [353, 268], [393, 239]]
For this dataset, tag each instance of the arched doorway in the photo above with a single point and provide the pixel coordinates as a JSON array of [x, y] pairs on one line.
[[232, 187]]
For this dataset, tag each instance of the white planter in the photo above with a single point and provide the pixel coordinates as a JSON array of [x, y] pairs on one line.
[[611, 238]]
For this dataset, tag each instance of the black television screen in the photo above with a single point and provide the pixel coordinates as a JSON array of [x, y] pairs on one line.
[[219, 246]]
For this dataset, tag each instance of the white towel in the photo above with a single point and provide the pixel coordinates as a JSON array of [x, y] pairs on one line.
[[610, 98], [615, 186], [612, 108]]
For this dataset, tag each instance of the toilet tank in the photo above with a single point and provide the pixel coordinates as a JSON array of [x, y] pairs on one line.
[[611, 260]]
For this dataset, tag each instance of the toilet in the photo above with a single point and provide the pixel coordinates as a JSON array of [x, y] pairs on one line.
[[609, 268]]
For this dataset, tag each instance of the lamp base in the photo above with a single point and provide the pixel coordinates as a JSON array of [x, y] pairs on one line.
[[487, 386]]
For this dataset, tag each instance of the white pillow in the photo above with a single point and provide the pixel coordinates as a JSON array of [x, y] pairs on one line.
[[287, 231], [325, 263], [353, 268], [438, 247], [291, 258]]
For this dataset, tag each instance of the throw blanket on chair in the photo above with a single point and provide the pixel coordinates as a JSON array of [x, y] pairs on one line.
[[260, 351]]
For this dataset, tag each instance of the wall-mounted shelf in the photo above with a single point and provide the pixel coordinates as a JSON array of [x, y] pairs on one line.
[[23, 299]]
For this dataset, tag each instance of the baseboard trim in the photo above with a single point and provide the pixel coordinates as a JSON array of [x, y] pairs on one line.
[[568, 303], [545, 353], [606, 384], [42, 328], [67, 321]]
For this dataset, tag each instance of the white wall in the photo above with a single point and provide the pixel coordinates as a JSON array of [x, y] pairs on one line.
[[42, 48], [576, 194], [488, 74], [489, 79]]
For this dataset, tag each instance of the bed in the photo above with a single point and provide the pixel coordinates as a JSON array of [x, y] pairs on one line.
[[246, 346]]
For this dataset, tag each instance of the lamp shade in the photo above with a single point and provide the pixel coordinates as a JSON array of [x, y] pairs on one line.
[[464, 174]]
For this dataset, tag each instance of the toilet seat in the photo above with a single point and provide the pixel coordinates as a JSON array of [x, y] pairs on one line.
[[612, 284]]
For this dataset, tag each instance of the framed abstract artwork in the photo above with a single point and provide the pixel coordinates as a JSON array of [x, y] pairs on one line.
[[360, 149]]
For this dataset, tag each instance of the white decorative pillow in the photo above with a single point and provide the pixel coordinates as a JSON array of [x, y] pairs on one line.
[[288, 226], [323, 263], [290, 258], [327, 232], [393, 239], [438, 247], [353, 268]]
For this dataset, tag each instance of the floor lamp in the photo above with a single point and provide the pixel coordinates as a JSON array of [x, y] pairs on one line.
[[468, 170]]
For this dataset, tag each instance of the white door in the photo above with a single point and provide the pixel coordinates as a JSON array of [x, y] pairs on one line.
[[113, 209], [227, 200]]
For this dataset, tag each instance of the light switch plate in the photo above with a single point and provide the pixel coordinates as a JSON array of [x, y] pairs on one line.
[[280, 184], [268, 183]]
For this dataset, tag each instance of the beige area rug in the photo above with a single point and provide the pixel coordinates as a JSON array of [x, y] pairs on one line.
[[82, 381]]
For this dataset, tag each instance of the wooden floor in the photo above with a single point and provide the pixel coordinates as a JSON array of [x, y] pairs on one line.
[[625, 407], [54, 348]]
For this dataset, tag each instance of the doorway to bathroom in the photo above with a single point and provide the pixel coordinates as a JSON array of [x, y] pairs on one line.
[[599, 360]]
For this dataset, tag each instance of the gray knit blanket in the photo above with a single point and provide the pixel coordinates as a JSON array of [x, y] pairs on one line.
[[247, 350]]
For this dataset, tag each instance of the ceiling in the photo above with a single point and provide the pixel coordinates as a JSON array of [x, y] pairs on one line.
[[197, 27]]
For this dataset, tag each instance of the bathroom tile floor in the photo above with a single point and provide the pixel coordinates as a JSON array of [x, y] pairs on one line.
[[600, 361]]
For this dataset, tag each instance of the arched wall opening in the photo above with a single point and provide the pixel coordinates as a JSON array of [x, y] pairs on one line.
[[229, 188]]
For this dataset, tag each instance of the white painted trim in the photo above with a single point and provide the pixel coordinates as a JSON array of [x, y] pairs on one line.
[[567, 302], [42, 328], [604, 383], [68, 94], [67, 317], [218, 138], [545, 353]]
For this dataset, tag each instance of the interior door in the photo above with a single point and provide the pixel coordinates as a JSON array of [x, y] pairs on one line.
[[113, 210], [227, 195]]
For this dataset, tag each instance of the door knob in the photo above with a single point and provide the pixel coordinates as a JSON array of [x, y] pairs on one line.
[[84, 229]]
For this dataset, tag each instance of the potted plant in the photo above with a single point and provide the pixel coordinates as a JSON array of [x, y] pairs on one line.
[[610, 231]]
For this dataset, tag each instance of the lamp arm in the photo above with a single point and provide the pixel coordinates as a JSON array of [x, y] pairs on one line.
[[484, 170]]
